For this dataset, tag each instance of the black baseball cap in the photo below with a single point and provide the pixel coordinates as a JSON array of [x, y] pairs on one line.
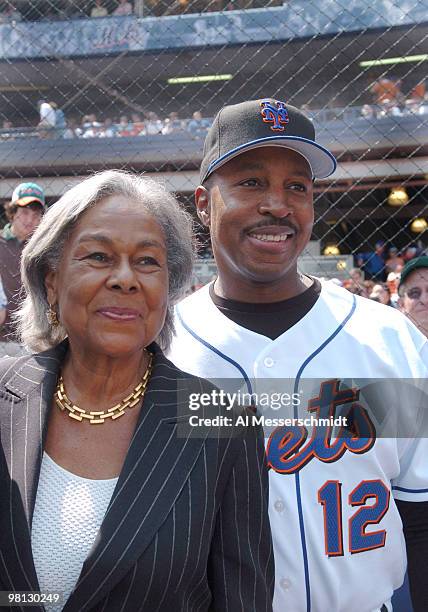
[[411, 266], [263, 123]]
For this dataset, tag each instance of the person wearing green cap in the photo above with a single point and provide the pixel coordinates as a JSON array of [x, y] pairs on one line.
[[413, 292], [24, 213]]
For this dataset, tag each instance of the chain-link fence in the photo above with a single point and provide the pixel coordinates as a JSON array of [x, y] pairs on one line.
[[111, 83]]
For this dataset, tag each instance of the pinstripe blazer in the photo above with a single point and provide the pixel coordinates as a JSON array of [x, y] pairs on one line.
[[187, 526]]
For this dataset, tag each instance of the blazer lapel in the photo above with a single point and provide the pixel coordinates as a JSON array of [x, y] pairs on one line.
[[156, 468], [26, 391]]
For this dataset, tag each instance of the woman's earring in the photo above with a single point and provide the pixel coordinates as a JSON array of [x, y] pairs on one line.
[[52, 316]]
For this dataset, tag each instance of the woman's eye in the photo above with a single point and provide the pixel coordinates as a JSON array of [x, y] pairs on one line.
[[101, 257], [148, 261]]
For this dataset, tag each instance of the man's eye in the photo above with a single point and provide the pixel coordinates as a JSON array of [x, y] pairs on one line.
[[298, 187], [250, 182]]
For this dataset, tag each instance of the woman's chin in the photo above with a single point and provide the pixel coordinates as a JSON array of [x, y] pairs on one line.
[[118, 345]]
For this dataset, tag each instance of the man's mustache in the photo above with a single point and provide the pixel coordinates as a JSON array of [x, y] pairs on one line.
[[273, 221]]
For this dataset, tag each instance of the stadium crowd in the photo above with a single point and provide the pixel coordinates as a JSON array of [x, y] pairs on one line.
[[390, 101], [54, 124]]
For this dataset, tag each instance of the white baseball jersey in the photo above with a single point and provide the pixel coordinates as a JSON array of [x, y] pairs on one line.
[[337, 533]]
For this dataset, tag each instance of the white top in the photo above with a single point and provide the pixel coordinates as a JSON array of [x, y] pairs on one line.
[[47, 114], [68, 513]]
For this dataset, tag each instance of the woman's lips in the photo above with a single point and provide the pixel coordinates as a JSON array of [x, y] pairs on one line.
[[119, 314]]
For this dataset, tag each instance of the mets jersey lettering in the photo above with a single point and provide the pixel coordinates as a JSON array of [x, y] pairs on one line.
[[287, 449]]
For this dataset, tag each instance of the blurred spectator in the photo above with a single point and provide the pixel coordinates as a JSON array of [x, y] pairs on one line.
[[386, 90], [356, 283], [394, 260], [418, 92], [368, 285], [124, 127], [5, 134], [47, 119], [177, 7], [373, 263], [410, 253], [108, 130], [24, 212], [99, 10], [392, 281], [198, 125], [389, 108], [72, 130], [124, 8], [413, 292], [414, 107], [60, 123], [137, 127], [93, 131], [423, 110], [153, 124], [368, 112], [91, 126], [172, 124], [380, 293]]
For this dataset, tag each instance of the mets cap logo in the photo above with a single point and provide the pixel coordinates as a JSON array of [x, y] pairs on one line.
[[275, 113]]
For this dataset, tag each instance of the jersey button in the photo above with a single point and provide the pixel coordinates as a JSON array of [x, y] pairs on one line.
[[285, 584], [279, 505], [268, 362]]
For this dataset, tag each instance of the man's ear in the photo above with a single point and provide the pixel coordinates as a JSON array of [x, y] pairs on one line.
[[400, 305], [51, 287], [203, 205]]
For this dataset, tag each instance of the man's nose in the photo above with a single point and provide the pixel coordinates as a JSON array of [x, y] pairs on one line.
[[276, 201]]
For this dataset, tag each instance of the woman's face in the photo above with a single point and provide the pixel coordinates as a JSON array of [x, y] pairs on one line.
[[111, 286]]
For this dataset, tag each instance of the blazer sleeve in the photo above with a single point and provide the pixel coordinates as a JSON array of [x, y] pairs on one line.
[[241, 565]]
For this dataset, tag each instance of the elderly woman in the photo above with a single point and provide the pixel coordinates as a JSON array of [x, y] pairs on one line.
[[102, 498]]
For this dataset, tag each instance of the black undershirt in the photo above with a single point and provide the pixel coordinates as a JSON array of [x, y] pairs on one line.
[[258, 318]]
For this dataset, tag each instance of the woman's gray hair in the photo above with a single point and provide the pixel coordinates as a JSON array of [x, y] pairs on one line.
[[43, 251]]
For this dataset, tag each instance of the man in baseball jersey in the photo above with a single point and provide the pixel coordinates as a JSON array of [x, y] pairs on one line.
[[338, 537]]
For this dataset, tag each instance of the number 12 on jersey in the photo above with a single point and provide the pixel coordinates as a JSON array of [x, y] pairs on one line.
[[330, 497]]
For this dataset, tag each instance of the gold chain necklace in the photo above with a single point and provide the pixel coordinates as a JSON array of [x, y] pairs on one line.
[[78, 414]]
